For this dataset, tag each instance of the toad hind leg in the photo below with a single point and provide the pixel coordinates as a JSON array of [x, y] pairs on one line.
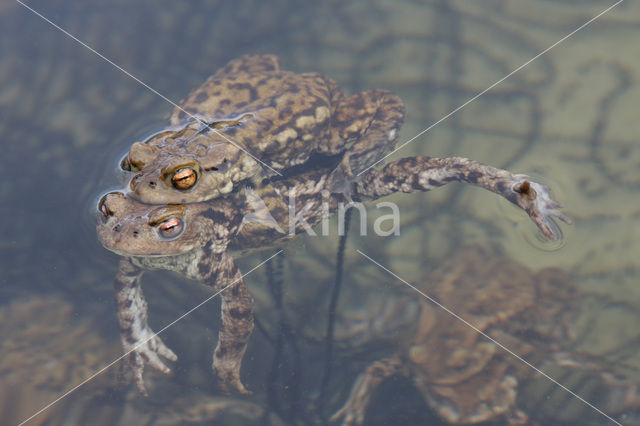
[[426, 173], [141, 345], [370, 121], [353, 411], [236, 322]]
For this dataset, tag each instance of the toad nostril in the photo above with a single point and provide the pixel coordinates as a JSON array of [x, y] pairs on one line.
[[135, 234], [116, 228], [152, 184]]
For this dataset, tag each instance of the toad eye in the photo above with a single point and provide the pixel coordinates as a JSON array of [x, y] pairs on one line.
[[184, 178], [171, 228]]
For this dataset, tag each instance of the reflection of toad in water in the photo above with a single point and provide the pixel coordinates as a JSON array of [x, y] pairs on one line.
[[465, 377]]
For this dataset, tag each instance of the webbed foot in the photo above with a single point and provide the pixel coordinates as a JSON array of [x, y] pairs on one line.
[[536, 200], [147, 350]]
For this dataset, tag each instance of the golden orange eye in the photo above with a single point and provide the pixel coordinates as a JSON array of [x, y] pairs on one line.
[[171, 228], [184, 178]]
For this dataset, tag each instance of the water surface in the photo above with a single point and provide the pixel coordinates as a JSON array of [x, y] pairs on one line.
[[568, 118]]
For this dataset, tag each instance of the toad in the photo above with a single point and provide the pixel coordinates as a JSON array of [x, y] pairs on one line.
[[251, 120], [197, 240], [467, 378]]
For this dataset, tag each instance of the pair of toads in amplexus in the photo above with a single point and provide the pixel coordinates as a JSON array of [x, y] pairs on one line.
[[252, 138]]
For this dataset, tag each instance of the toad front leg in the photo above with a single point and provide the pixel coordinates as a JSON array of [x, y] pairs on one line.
[[141, 345], [426, 173], [236, 325]]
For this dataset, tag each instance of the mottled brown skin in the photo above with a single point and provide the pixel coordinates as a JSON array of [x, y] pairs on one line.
[[195, 240], [426, 173], [466, 378], [200, 252], [250, 114]]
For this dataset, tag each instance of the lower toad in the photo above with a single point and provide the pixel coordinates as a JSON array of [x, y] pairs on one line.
[[197, 239]]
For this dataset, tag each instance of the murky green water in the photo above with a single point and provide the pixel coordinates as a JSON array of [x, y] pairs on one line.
[[568, 118]]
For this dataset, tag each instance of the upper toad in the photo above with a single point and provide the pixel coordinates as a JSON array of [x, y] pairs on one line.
[[251, 120]]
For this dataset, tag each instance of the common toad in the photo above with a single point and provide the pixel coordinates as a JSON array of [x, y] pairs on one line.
[[195, 240], [250, 114], [466, 378]]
